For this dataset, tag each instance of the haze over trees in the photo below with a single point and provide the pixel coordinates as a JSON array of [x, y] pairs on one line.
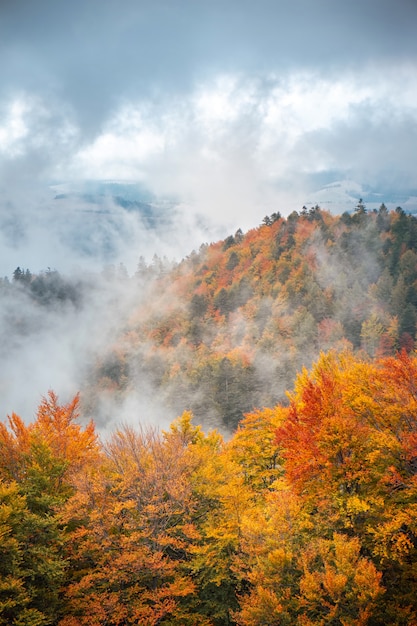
[[285, 491], [228, 328]]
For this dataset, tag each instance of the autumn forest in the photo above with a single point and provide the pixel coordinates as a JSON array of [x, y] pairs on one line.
[[284, 490]]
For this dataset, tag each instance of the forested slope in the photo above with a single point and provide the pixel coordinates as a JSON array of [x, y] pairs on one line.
[[227, 329]]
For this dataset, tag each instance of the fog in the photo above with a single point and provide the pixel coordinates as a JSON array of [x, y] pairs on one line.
[[132, 129], [55, 333]]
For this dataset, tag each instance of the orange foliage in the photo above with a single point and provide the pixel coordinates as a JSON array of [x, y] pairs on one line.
[[56, 428]]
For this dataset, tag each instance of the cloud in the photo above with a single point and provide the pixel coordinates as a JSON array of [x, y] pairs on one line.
[[220, 103], [93, 55], [236, 143], [231, 150]]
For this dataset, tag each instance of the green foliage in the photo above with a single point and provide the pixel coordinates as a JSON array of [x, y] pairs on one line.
[[233, 261], [31, 565], [228, 242]]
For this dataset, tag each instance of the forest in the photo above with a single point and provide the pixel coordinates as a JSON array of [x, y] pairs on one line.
[[284, 491], [229, 328], [306, 515]]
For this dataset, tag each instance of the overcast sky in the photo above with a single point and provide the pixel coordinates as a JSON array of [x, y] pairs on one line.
[[236, 108]]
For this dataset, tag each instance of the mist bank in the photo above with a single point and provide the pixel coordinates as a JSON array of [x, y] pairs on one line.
[[52, 327], [70, 254], [77, 227], [221, 332]]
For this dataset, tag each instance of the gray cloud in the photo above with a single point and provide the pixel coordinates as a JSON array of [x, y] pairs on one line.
[[232, 150], [91, 54], [84, 60], [235, 109]]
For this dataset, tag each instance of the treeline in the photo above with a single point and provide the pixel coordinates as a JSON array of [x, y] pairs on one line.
[[51, 288], [227, 329], [47, 288], [306, 515]]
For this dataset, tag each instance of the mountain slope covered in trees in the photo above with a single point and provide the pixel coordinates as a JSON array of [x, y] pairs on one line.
[[226, 330]]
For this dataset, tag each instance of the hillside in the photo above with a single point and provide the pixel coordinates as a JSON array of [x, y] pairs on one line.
[[304, 514], [226, 330]]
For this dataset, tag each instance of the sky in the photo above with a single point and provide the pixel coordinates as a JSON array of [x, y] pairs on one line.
[[235, 109], [218, 111]]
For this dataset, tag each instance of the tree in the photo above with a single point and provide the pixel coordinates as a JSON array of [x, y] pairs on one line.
[[228, 242], [22, 600], [407, 320], [360, 212], [38, 466], [18, 274], [220, 485], [233, 261], [132, 524], [349, 448], [371, 333], [338, 585], [254, 448]]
